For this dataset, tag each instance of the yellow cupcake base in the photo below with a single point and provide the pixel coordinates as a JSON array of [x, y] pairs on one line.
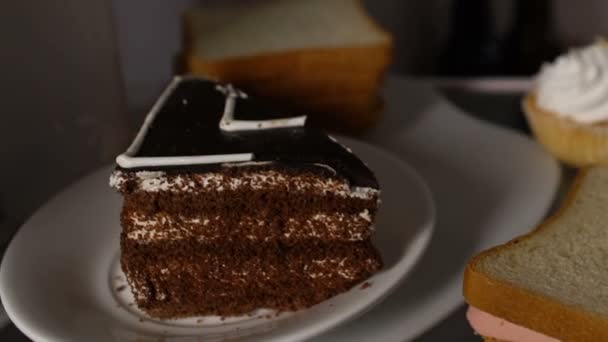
[[571, 142]]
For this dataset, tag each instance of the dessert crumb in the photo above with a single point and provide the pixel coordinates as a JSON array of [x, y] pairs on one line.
[[365, 285], [121, 288]]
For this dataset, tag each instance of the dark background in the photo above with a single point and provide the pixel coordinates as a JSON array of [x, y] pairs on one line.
[[79, 75]]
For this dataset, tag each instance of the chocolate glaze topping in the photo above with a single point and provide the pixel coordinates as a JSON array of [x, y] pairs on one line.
[[187, 124]]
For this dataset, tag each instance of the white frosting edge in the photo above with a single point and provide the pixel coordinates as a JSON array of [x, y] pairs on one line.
[[144, 234], [153, 181], [327, 167]]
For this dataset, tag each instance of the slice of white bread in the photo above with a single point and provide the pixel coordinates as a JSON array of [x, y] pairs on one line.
[[253, 28], [321, 57], [553, 280]]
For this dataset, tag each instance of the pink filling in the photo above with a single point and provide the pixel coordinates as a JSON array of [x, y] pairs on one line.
[[491, 326]]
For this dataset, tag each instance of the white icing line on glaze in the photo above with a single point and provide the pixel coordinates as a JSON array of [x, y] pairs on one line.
[[139, 138], [332, 138], [131, 162], [326, 167], [127, 160], [251, 163], [257, 163], [229, 124]]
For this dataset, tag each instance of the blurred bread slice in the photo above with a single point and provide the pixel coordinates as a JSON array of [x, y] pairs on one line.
[[326, 57]]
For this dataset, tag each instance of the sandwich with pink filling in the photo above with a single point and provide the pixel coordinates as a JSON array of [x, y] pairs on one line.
[[551, 284]]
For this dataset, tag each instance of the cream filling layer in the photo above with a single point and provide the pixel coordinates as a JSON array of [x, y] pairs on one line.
[[488, 325]]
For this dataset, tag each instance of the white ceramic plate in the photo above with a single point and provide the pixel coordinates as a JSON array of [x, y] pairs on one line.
[[489, 184], [59, 279]]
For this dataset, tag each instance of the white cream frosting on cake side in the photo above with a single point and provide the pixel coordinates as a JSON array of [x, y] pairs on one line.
[[207, 228], [153, 181]]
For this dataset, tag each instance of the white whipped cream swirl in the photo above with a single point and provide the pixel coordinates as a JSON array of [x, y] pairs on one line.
[[575, 85]]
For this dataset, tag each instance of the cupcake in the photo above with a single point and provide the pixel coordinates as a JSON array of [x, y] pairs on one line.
[[568, 108]]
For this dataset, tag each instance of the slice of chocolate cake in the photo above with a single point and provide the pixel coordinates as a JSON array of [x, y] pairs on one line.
[[229, 207]]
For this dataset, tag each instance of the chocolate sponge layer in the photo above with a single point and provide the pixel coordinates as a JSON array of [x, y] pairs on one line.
[[185, 278], [246, 202]]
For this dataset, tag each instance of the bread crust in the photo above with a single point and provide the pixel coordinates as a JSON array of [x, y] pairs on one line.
[[361, 65], [512, 303], [287, 77]]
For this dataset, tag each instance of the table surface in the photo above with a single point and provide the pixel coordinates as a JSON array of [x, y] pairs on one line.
[[501, 108]]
